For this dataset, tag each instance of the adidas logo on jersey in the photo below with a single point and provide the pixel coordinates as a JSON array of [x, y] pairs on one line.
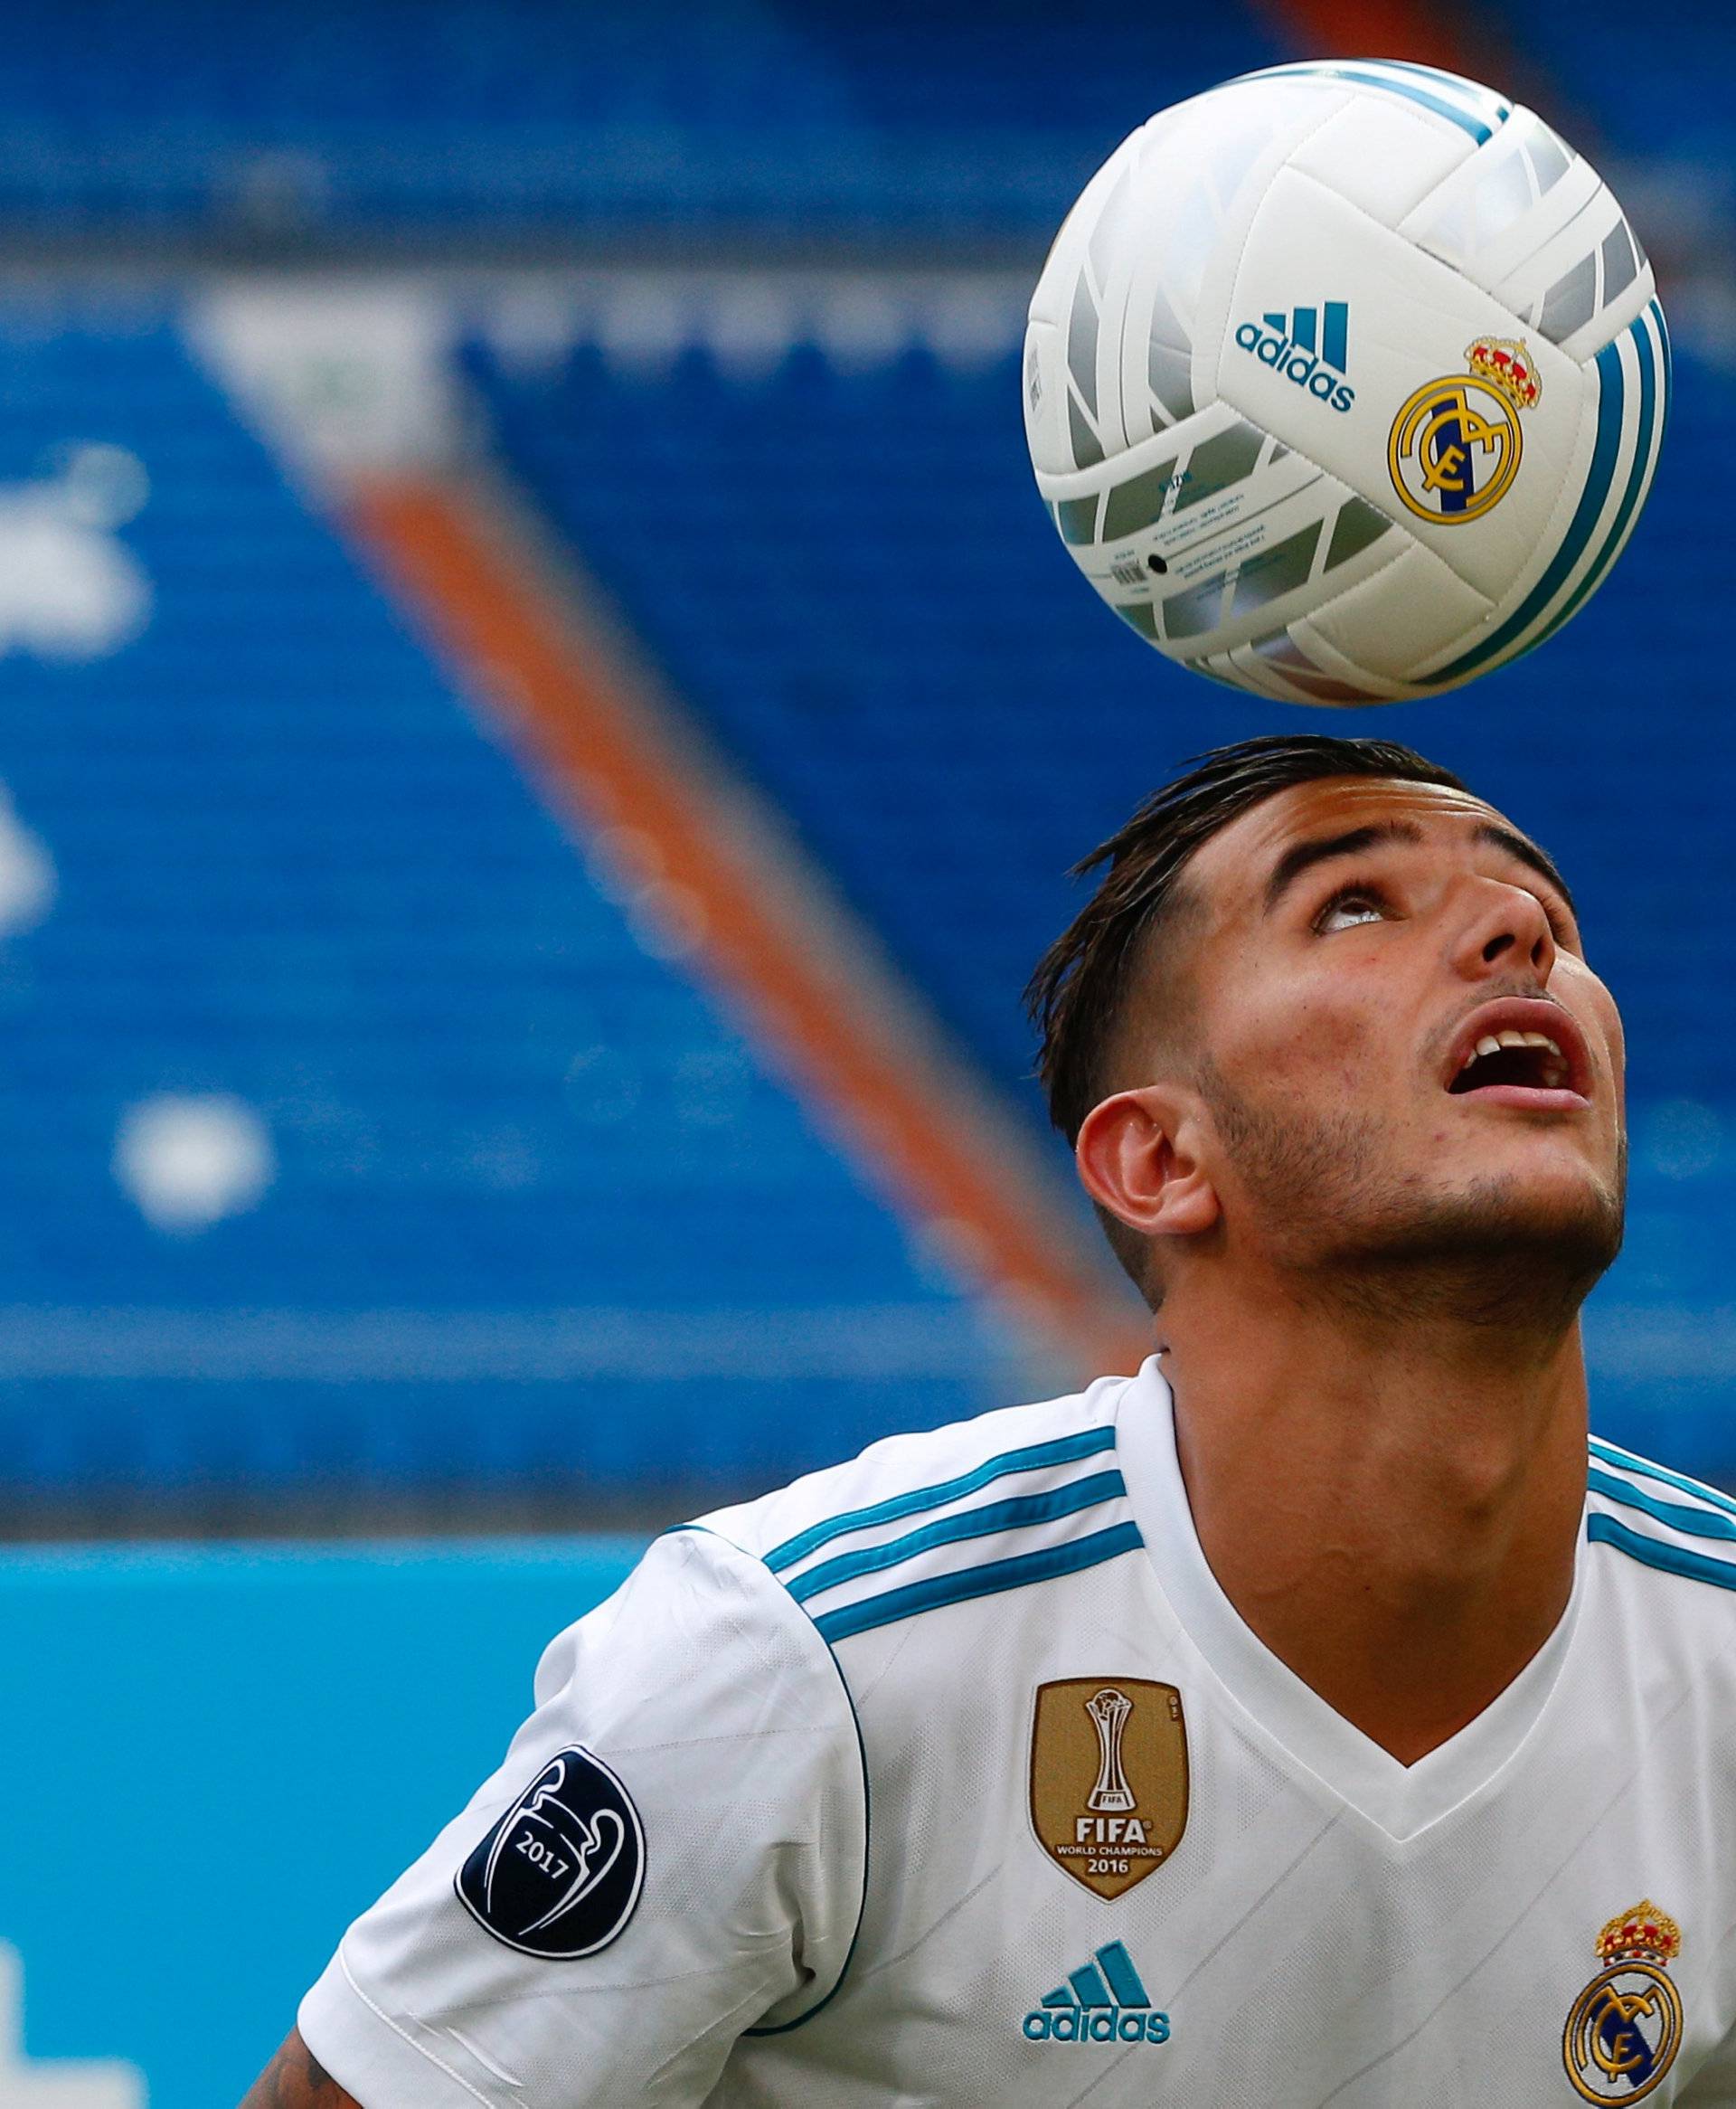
[[1104, 2002], [1307, 346]]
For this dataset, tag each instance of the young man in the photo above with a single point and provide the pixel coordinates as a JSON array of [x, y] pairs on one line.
[[1299, 1722]]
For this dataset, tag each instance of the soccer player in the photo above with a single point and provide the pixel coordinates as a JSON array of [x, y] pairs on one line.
[[1311, 1718]]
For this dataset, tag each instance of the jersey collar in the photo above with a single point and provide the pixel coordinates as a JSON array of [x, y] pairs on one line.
[[1272, 1702]]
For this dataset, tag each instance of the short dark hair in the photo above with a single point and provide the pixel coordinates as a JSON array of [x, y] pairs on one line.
[[1076, 995]]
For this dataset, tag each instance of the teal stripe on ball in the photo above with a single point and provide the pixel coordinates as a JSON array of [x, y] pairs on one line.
[[1607, 448], [1645, 453], [1407, 90]]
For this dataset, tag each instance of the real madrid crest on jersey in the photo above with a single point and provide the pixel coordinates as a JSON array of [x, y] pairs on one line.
[[1108, 1778], [1625, 2027], [1454, 446]]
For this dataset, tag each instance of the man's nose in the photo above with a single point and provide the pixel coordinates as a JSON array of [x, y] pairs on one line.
[[1509, 929]]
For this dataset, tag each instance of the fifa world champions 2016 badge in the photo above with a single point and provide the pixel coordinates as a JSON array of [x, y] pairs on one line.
[[1108, 1778], [1625, 2029], [1454, 446]]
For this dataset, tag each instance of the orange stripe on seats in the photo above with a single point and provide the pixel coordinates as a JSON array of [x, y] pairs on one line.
[[598, 750]]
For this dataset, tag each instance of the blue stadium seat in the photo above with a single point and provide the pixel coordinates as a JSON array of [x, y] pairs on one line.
[[294, 872], [603, 121], [1650, 85], [762, 120]]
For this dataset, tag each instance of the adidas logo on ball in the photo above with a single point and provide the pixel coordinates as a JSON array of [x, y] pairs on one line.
[[1307, 346]]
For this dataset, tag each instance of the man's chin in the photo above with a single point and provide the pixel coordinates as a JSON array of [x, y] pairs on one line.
[[1518, 1235], [1500, 1251]]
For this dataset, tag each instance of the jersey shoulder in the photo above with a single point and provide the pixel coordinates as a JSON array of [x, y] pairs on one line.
[[1007, 1499], [1661, 1519]]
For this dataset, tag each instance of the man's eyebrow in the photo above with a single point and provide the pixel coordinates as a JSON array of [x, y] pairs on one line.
[[1302, 857], [1529, 853]]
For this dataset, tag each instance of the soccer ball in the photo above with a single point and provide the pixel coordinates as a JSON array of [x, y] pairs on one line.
[[1345, 381]]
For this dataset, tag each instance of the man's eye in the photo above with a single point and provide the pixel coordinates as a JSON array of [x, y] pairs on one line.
[[1345, 910]]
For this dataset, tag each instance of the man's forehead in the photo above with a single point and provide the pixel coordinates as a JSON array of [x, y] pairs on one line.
[[1239, 859]]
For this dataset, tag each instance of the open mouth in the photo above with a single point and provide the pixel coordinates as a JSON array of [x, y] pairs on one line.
[[1524, 1050], [1533, 1061]]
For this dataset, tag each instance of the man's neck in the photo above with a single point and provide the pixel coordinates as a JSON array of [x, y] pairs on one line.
[[1392, 1507]]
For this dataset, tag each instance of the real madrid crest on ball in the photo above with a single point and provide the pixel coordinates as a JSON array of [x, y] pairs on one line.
[[561, 1872], [1625, 2027], [1454, 446], [1108, 1778]]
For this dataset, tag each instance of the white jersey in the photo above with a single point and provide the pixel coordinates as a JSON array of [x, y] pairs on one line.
[[950, 1777]]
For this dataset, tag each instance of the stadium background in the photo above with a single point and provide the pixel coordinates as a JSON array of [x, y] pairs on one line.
[[541, 726]]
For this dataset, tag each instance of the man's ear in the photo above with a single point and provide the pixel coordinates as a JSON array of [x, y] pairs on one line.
[[1137, 1155]]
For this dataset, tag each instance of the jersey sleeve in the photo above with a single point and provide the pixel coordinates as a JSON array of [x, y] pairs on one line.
[[671, 1854]]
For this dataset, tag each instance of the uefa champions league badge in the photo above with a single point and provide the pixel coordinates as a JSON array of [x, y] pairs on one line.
[[1625, 2029], [559, 1874], [1455, 445]]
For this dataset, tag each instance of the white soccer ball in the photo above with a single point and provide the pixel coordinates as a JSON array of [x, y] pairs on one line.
[[1345, 381]]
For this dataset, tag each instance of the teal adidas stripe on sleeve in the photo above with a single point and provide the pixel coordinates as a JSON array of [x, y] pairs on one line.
[[1063, 1449]]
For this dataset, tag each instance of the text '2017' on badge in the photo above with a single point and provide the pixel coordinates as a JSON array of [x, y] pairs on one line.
[[561, 1872]]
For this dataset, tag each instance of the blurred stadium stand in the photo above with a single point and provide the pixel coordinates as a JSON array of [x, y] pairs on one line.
[[351, 1132], [412, 126], [764, 124], [362, 1151]]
